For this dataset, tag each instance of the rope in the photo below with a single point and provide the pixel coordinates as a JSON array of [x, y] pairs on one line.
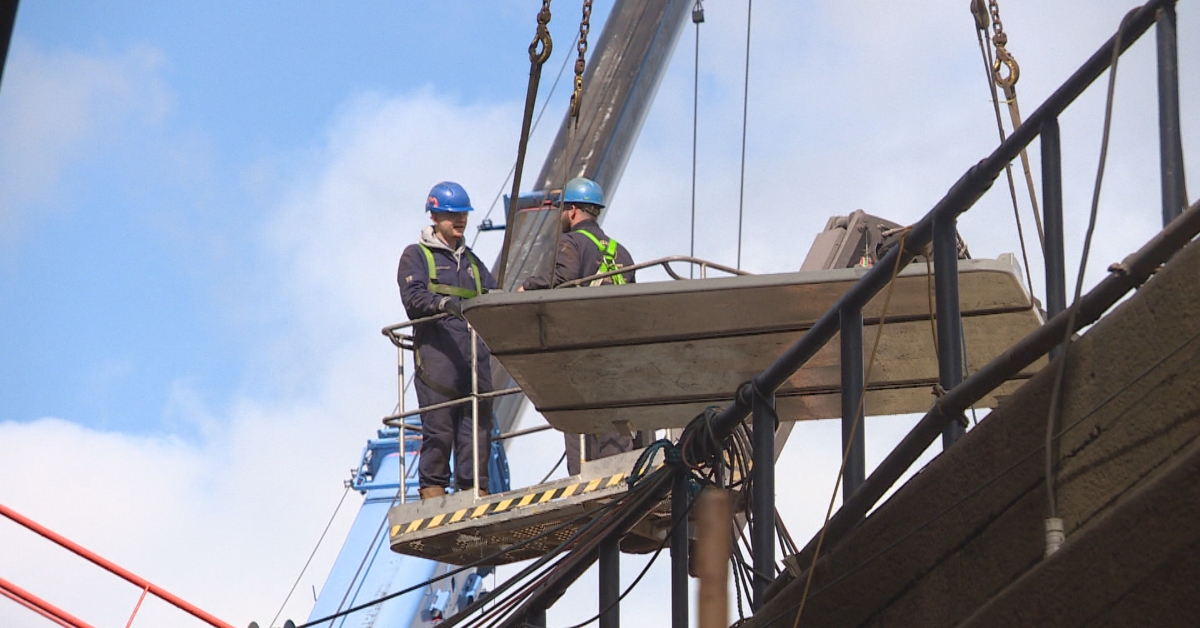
[[1056, 394], [857, 419], [554, 468], [310, 556], [745, 110]]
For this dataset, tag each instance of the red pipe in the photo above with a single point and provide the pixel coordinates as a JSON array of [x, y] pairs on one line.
[[112, 567], [40, 606]]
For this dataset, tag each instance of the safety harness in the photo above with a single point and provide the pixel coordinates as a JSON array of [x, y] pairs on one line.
[[608, 253], [452, 291]]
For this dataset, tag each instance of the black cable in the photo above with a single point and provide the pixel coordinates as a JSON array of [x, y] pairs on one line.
[[745, 110], [555, 468], [697, 18], [463, 615], [1056, 395], [691, 502], [458, 570]]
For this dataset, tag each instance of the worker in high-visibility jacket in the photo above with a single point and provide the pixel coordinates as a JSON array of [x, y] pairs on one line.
[[585, 250], [436, 275]]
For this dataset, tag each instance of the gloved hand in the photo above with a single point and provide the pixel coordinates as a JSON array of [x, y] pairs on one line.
[[453, 307]]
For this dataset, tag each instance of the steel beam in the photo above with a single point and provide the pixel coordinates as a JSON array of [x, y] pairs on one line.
[[762, 495], [610, 582], [853, 410], [1170, 143], [949, 319], [679, 550], [961, 196], [1052, 206]]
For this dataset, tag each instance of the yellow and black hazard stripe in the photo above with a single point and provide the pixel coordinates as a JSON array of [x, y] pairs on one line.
[[508, 504]]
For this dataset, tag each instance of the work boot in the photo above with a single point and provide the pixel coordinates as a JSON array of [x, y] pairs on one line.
[[432, 491]]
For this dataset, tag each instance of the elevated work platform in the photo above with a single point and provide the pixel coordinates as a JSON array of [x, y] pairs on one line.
[[459, 530], [654, 355]]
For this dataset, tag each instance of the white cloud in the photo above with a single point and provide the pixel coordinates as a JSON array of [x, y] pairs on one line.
[[55, 105]]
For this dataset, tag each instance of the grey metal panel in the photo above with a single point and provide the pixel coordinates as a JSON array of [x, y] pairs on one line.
[[626, 66], [657, 354]]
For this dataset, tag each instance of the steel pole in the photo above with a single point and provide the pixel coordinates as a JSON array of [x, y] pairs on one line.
[[1052, 206], [762, 494], [1170, 143], [610, 582], [949, 319], [679, 549], [853, 407]]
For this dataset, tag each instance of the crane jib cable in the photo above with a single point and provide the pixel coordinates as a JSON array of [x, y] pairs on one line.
[[539, 52]]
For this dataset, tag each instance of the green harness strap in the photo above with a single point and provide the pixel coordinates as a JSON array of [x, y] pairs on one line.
[[609, 254], [452, 291]]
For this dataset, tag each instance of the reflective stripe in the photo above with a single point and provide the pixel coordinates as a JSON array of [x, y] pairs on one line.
[[453, 291], [609, 256]]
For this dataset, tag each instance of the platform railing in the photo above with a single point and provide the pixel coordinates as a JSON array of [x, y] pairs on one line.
[[405, 342], [938, 228]]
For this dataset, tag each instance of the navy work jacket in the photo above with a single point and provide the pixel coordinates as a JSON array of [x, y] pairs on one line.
[[579, 257], [443, 346]]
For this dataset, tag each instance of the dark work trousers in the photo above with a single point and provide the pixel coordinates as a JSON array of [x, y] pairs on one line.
[[598, 446], [449, 429]]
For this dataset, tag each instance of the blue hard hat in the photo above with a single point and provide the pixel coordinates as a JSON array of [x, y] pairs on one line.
[[448, 196], [582, 190]]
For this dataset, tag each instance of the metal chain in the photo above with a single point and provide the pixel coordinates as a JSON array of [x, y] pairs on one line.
[[585, 25], [542, 37], [1003, 58]]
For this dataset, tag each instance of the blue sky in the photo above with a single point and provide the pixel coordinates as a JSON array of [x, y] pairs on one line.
[[201, 207]]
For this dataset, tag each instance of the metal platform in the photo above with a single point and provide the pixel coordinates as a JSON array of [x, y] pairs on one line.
[[459, 530], [651, 356]]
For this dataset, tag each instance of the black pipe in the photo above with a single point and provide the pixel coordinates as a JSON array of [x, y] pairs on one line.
[[610, 582], [1052, 206], [961, 196], [949, 318], [1170, 143], [762, 495], [1131, 273], [679, 550], [853, 408]]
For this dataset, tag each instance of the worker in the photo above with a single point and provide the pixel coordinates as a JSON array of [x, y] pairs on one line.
[[585, 250], [437, 275]]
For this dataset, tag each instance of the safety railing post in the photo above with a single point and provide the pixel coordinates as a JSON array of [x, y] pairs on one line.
[[762, 494], [1052, 206], [610, 582], [853, 384], [1170, 142], [949, 319], [679, 550], [400, 406]]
